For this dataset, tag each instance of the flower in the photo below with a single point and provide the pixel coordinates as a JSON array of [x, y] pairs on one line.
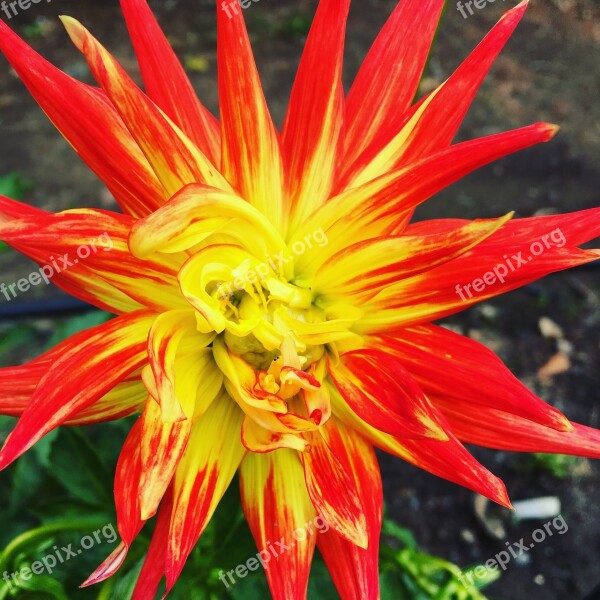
[[273, 300]]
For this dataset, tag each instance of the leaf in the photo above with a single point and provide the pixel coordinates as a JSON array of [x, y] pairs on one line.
[[76, 465]]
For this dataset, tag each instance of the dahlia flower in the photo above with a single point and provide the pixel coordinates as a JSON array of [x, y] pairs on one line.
[[273, 301]]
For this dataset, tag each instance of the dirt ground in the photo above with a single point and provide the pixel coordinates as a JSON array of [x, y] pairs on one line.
[[549, 71]]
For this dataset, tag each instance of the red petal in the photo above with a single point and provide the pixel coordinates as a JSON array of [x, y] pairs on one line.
[[282, 518], [90, 124], [153, 568], [389, 76], [313, 124], [495, 428], [89, 364], [251, 155], [355, 571], [444, 363], [381, 391], [333, 491], [173, 94], [174, 158], [449, 460]]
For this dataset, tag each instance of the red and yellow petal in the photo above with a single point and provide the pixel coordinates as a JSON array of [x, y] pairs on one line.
[[312, 131], [212, 456], [452, 365], [521, 252], [379, 206], [332, 489], [498, 429], [251, 156], [89, 364], [432, 123], [354, 570], [174, 158], [86, 253], [449, 460], [377, 387], [281, 517], [173, 94], [103, 142], [362, 269], [388, 78]]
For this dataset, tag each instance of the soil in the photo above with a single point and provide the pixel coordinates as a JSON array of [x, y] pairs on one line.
[[550, 70]]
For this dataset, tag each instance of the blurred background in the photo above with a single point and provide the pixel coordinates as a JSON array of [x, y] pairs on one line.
[[547, 333]]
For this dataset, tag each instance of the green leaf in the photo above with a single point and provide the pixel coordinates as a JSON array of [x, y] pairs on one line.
[[76, 465]]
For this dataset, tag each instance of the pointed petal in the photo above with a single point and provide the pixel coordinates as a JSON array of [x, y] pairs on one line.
[[210, 461], [86, 252], [89, 364], [377, 207], [389, 76], [174, 158], [449, 460], [521, 252], [129, 522], [90, 124], [162, 446], [366, 267], [355, 571], [173, 94], [495, 428], [279, 511], [333, 491], [381, 392], [251, 156], [432, 124], [153, 568], [125, 399], [448, 364], [311, 136]]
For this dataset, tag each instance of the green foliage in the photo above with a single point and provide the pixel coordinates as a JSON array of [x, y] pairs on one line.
[[560, 465], [408, 574], [13, 186]]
